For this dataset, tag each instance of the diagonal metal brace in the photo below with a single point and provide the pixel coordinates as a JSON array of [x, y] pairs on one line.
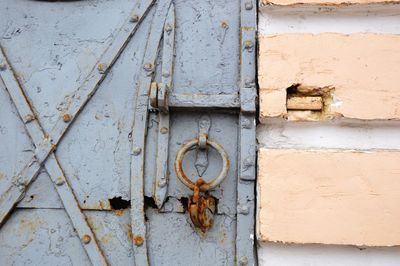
[[45, 145], [81, 96], [54, 170]]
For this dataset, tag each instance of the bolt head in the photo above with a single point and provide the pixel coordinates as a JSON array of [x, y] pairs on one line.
[[148, 67], [138, 240], [248, 44], [162, 183], [102, 68], [244, 209], [67, 118], [246, 123], [86, 239], [60, 181], [29, 118], [3, 66], [168, 28], [136, 151], [243, 260], [134, 18], [164, 130], [248, 5]]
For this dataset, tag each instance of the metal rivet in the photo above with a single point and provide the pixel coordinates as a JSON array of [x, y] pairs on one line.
[[224, 25], [86, 239], [67, 118], [244, 209], [29, 118], [138, 240], [3, 66], [168, 28], [243, 260], [248, 162], [248, 82], [101, 68], [165, 74], [246, 123], [136, 150], [148, 67], [248, 5], [134, 18], [162, 183], [60, 181], [164, 130], [248, 44]]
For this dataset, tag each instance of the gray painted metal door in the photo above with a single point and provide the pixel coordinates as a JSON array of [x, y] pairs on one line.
[[106, 107]]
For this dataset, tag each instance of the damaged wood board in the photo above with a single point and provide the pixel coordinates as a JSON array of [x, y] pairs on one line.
[[329, 196], [356, 74]]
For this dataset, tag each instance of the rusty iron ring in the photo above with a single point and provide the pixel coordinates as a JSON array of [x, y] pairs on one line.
[[207, 185]]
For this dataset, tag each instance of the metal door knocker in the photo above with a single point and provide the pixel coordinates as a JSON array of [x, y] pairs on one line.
[[201, 207]]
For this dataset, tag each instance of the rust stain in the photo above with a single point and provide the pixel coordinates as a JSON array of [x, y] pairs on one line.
[[67, 118], [104, 205], [138, 240], [120, 212], [106, 239], [30, 226]]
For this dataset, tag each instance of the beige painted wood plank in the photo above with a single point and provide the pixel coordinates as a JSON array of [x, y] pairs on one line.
[[322, 2], [329, 197], [304, 103], [360, 70]]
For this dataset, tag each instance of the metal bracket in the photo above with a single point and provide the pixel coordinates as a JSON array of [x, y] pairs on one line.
[[245, 242], [201, 163]]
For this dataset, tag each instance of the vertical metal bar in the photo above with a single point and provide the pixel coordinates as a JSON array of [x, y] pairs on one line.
[[245, 244], [139, 134], [81, 96], [161, 184]]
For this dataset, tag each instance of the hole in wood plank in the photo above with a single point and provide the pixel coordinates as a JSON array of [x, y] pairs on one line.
[[117, 203]]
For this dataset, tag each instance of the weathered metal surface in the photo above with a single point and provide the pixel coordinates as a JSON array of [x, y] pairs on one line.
[[245, 250], [165, 87], [54, 170], [116, 151], [189, 247], [139, 133], [201, 208]]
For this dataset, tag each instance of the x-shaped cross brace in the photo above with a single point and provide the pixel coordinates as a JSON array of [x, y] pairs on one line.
[[45, 143]]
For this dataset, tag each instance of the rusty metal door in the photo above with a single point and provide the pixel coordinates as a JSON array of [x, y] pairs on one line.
[[127, 132]]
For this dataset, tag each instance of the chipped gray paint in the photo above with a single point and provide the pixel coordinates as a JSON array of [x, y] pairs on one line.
[[95, 149]]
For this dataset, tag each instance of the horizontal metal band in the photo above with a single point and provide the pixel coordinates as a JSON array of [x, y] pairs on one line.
[[228, 101]]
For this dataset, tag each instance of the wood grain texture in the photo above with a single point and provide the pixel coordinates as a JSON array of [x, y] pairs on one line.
[[329, 197], [360, 70]]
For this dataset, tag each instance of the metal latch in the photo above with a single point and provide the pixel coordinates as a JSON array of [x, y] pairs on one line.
[[201, 206]]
